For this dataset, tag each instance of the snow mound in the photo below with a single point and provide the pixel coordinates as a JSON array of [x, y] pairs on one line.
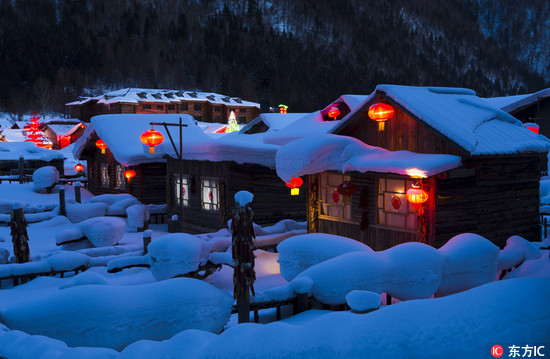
[[243, 198], [79, 212], [138, 215], [517, 250], [63, 261], [103, 231], [45, 177], [86, 278], [298, 253], [538, 268], [115, 316], [68, 235], [4, 255], [116, 203], [177, 253], [361, 300]]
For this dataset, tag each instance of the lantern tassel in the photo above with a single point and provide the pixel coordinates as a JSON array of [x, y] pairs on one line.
[[381, 126], [151, 150]]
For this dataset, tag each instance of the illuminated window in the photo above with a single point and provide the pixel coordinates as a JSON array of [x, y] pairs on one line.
[[332, 203], [104, 174], [209, 194], [181, 187], [119, 177], [393, 208]]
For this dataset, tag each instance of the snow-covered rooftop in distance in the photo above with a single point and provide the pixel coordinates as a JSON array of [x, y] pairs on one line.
[[272, 121], [13, 135], [313, 123], [512, 103], [464, 118], [28, 150], [64, 130], [318, 153], [129, 150], [136, 95]]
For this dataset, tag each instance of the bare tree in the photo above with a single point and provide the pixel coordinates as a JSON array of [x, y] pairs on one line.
[[42, 95]]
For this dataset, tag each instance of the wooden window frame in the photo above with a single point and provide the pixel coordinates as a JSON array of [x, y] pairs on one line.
[[104, 175], [384, 204], [119, 177], [326, 187], [210, 183], [185, 185]]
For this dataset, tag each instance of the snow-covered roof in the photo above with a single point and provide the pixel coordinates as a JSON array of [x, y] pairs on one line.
[[318, 153], [136, 95], [13, 135], [313, 123], [272, 121], [11, 151], [469, 121], [197, 145], [64, 130], [512, 103]]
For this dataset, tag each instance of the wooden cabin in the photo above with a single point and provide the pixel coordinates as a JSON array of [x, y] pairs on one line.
[[490, 188], [62, 132], [205, 107], [530, 109], [27, 157]]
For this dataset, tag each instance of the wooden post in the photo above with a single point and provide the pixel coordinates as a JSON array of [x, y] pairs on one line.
[[77, 196], [19, 235], [62, 208], [21, 170], [146, 240], [302, 302]]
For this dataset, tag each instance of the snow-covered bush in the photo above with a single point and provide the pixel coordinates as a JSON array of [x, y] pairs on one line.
[[470, 260], [362, 300], [298, 253], [115, 316], [103, 231], [177, 253], [79, 212], [45, 177], [138, 215]]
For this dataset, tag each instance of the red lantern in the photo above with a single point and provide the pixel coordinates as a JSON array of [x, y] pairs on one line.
[[532, 126], [334, 112], [79, 167], [294, 185], [381, 112], [151, 138], [416, 195], [347, 188], [129, 174], [101, 145]]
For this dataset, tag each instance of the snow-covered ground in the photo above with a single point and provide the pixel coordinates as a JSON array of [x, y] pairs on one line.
[[140, 313]]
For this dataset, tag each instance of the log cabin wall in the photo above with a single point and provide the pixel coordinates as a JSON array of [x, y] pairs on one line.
[[11, 167], [272, 200]]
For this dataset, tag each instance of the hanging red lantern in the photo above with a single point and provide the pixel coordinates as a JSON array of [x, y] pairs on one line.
[[101, 145], [151, 138], [79, 167], [381, 112], [129, 174], [416, 195], [334, 112], [294, 185], [347, 188]]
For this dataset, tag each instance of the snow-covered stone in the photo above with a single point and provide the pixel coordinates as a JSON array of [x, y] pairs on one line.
[[103, 231], [68, 235], [115, 316], [177, 253], [362, 300], [298, 253], [79, 212], [45, 177], [470, 260], [64, 261]]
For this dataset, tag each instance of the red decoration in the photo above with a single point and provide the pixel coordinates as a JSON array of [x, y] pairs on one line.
[[79, 167], [347, 188], [532, 126], [129, 174], [335, 196], [101, 145], [210, 196], [396, 203], [334, 112], [152, 138], [33, 131], [294, 185], [381, 112], [416, 195]]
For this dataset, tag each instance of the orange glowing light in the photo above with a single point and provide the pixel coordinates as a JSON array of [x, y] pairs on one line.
[[294, 185], [101, 145], [152, 138], [79, 167], [381, 112], [129, 174]]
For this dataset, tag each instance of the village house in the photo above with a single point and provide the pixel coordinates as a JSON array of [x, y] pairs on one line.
[[28, 157], [421, 164], [531, 109], [62, 132], [202, 106]]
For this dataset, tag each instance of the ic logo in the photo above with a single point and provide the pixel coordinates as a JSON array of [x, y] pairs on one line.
[[497, 351]]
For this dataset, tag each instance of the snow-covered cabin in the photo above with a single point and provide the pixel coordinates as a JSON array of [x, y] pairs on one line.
[[62, 132], [532, 109], [202, 106], [479, 166], [27, 156]]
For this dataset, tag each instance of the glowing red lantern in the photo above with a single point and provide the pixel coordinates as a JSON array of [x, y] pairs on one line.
[[79, 167], [129, 174], [294, 185], [347, 188], [381, 112], [416, 195], [532, 126], [334, 112], [101, 145], [152, 138]]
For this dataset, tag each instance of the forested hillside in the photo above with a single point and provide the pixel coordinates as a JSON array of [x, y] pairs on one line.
[[298, 52]]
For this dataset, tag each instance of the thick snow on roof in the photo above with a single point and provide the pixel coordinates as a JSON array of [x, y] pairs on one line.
[[313, 123], [273, 121], [129, 150], [64, 130], [318, 153], [512, 103], [13, 135], [135, 95], [469, 121], [28, 150]]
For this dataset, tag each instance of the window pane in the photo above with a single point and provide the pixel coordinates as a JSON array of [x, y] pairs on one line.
[[395, 220], [396, 186]]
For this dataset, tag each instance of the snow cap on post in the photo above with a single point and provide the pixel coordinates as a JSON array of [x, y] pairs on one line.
[[243, 198]]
